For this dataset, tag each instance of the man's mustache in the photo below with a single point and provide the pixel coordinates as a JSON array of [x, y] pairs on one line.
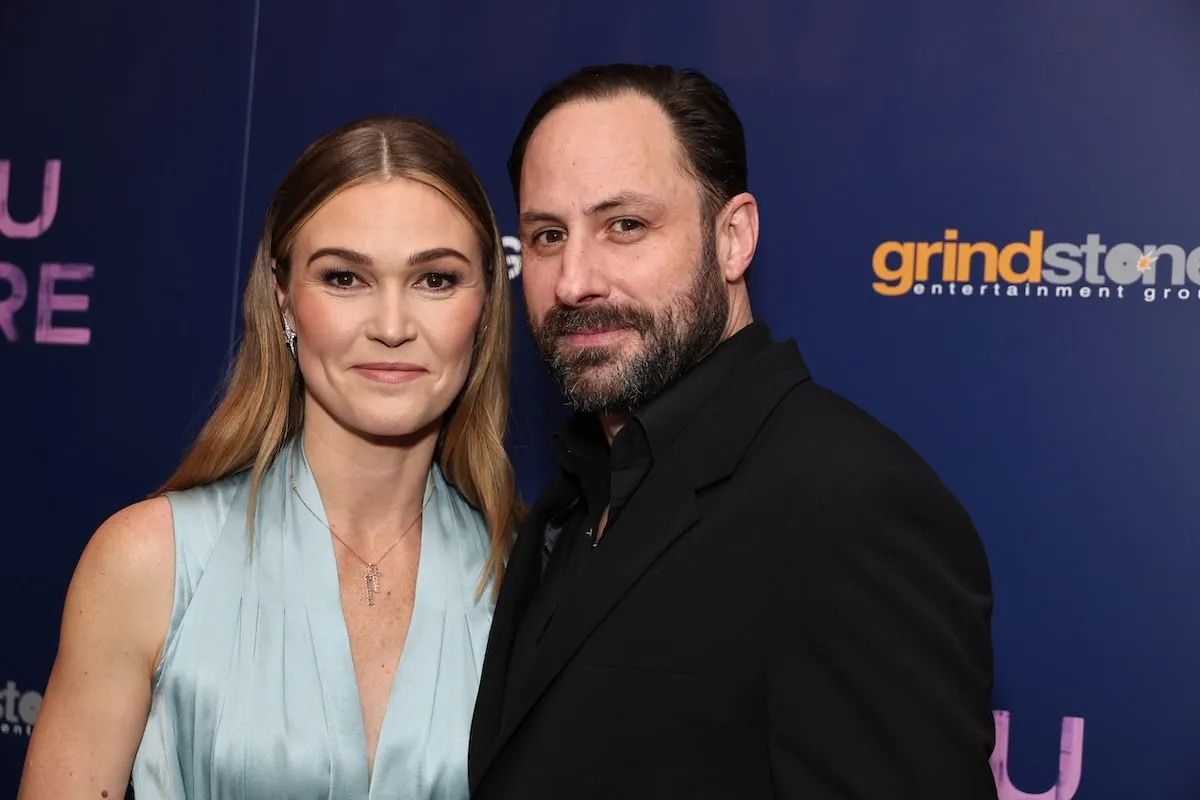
[[564, 320]]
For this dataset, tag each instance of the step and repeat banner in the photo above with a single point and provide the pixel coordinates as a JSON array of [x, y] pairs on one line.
[[981, 222]]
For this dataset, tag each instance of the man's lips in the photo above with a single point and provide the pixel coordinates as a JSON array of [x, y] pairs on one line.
[[595, 336]]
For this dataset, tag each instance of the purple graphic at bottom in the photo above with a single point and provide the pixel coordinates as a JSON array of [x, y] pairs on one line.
[[1070, 762]]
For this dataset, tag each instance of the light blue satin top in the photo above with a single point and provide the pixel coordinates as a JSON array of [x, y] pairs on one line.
[[256, 696]]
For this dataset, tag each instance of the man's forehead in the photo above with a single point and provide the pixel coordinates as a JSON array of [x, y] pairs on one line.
[[599, 149]]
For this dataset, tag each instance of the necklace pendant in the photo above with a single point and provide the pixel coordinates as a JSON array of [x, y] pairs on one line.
[[371, 579]]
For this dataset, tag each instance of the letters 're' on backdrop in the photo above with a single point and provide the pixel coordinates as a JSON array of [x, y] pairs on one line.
[[980, 221]]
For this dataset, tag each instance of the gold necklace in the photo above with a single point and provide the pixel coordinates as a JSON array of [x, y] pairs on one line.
[[372, 575]]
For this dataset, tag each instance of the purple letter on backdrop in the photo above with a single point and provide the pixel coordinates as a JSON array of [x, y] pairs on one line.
[[12, 304], [40, 224], [1070, 761], [49, 302]]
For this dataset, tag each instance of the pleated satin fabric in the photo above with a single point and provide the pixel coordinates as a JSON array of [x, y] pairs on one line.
[[256, 697]]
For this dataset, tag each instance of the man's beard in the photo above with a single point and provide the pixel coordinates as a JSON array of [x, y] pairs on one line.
[[595, 379]]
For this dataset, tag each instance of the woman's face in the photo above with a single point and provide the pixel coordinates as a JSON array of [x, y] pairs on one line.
[[386, 294]]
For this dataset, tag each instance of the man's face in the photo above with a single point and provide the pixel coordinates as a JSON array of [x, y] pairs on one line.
[[622, 286]]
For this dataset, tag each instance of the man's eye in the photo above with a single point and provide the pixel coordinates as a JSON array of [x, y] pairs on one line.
[[549, 237]]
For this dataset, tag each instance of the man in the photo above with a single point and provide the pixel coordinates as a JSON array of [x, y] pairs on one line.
[[739, 585]]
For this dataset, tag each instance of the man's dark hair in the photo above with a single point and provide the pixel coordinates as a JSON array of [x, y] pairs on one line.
[[705, 124]]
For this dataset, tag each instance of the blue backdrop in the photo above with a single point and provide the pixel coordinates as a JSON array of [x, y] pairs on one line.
[[897, 150]]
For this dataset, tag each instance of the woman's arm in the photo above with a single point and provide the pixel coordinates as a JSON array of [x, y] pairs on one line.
[[115, 621]]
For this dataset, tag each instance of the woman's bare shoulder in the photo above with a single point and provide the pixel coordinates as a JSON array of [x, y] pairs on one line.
[[134, 544], [125, 578]]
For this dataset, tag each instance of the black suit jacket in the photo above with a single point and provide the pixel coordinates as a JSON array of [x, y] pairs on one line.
[[791, 606]]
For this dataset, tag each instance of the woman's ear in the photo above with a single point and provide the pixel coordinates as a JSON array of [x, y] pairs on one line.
[[280, 291]]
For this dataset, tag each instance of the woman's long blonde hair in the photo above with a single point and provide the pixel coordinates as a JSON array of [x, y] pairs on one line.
[[263, 403]]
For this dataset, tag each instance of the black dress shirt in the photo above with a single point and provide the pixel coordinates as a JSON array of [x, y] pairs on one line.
[[607, 477]]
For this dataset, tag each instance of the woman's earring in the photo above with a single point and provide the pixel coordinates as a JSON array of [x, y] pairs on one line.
[[289, 336]]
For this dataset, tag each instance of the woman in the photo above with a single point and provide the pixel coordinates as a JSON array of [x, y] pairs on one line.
[[212, 652]]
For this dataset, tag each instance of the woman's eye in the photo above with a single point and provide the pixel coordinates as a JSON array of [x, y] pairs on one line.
[[339, 278], [439, 281]]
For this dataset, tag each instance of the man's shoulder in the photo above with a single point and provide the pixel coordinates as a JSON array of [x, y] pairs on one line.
[[819, 435]]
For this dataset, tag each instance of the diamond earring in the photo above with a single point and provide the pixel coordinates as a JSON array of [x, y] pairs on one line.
[[289, 336]]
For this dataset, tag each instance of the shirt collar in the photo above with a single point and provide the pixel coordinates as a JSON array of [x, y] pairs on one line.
[[665, 417], [582, 447]]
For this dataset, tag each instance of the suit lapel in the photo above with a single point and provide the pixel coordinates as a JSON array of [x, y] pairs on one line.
[[663, 509], [518, 586]]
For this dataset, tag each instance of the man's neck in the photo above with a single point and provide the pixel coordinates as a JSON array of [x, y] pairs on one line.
[[612, 422], [372, 489], [739, 317]]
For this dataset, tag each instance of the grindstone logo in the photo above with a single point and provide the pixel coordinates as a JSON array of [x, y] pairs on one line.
[[18, 710], [1070, 761], [1088, 270], [48, 286]]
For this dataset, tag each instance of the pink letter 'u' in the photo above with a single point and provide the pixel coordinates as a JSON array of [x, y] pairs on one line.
[[1070, 761], [34, 228]]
